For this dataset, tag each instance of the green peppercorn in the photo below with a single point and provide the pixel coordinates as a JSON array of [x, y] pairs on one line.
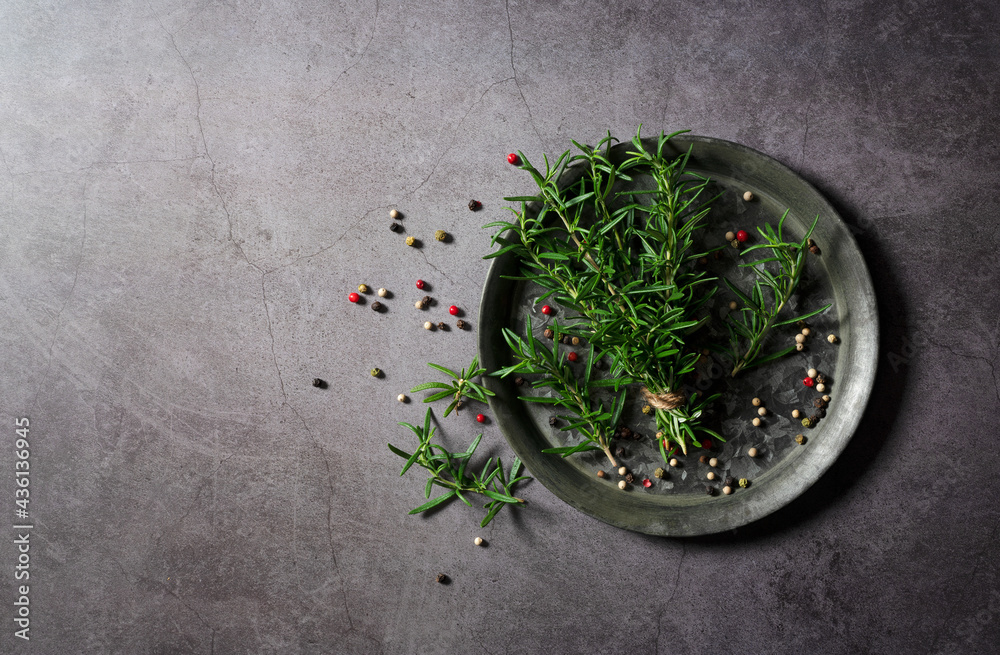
[[800, 439], [806, 423], [659, 473], [376, 372], [744, 483], [441, 235], [410, 241], [647, 410]]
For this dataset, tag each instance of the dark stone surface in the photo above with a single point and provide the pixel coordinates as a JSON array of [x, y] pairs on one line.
[[190, 190]]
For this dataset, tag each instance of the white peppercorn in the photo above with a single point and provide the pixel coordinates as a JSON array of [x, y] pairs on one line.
[[428, 325], [812, 372], [727, 490], [748, 196], [382, 293], [622, 470], [478, 541], [796, 413], [762, 411], [756, 422], [800, 338], [394, 213], [752, 452], [401, 397], [713, 462], [755, 402], [711, 475], [806, 331], [832, 338], [821, 387], [674, 462], [730, 236], [622, 484]]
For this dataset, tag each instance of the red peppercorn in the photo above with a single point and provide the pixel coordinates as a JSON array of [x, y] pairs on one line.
[[354, 297], [453, 310], [742, 236], [420, 284], [808, 382], [512, 158], [546, 310], [573, 357], [481, 418], [706, 444], [646, 483]]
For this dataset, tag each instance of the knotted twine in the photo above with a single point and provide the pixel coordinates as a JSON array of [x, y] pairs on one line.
[[666, 401]]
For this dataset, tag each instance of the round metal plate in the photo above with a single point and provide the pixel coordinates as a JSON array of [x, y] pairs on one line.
[[678, 505]]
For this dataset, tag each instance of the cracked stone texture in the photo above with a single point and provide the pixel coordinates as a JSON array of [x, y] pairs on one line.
[[190, 190]]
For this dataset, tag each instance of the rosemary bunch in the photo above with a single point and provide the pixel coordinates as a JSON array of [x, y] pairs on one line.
[[461, 387], [449, 471], [622, 257], [759, 314]]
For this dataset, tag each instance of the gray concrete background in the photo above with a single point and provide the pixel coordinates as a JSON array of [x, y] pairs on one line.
[[190, 189]]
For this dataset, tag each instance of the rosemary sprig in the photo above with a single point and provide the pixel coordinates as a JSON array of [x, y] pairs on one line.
[[449, 471], [623, 260], [749, 327], [462, 387], [588, 416]]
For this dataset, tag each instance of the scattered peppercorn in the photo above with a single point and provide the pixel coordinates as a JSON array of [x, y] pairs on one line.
[[762, 411], [572, 357], [826, 398], [319, 384], [442, 325], [709, 490], [703, 459], [806, 331], [821, 387], [832, 338], [546, 310], [353, 297], [647, 483], [512, 158], [453, 310], [576, 341], [548, 334], [755, 402], [800, 338], [519, 381], [730, 481], [659, 473], [713, 462], [394, 227], [795, 413], [474, 205], [426, 300], [800, 347], [401, 398], [428, 325], [808, 382], [441, 235], [460, 324], [807, 423], [419, 304], [752, 452], [711, 475], [376, 372], [377, 306], [727, 490], [441, 577], [647, 410], [800, 439], [735, 243], [820, 413], [362, 288], [812, 373], [602, 474], [820, 378], [382, 293], [674, 463], [629, 478], [820, 402], [480, 418], [478, 541], [553, 420], [622, 484], [744, 483], [813, 248], [756, 422], [410, 241], [421, 284], [730, 235], [565, 339], [742, 236], [733, 305], [620, 451], [394, 213], [622, 470]]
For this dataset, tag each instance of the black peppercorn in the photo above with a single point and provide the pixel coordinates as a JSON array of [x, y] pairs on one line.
[[441, 578], [709, 490], [730, 480], [394, 227], [553, 420], [619, 452], [703, 459], [814, 419], [820, 413], [566, 339], [519, 380], [426, 300], [460, 324], [474, 205], [629, 478], [442, 325], [548, 333], [377, 306], [625, 432], [819, 402], [813, 248], [319, 384], [820, 379]]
